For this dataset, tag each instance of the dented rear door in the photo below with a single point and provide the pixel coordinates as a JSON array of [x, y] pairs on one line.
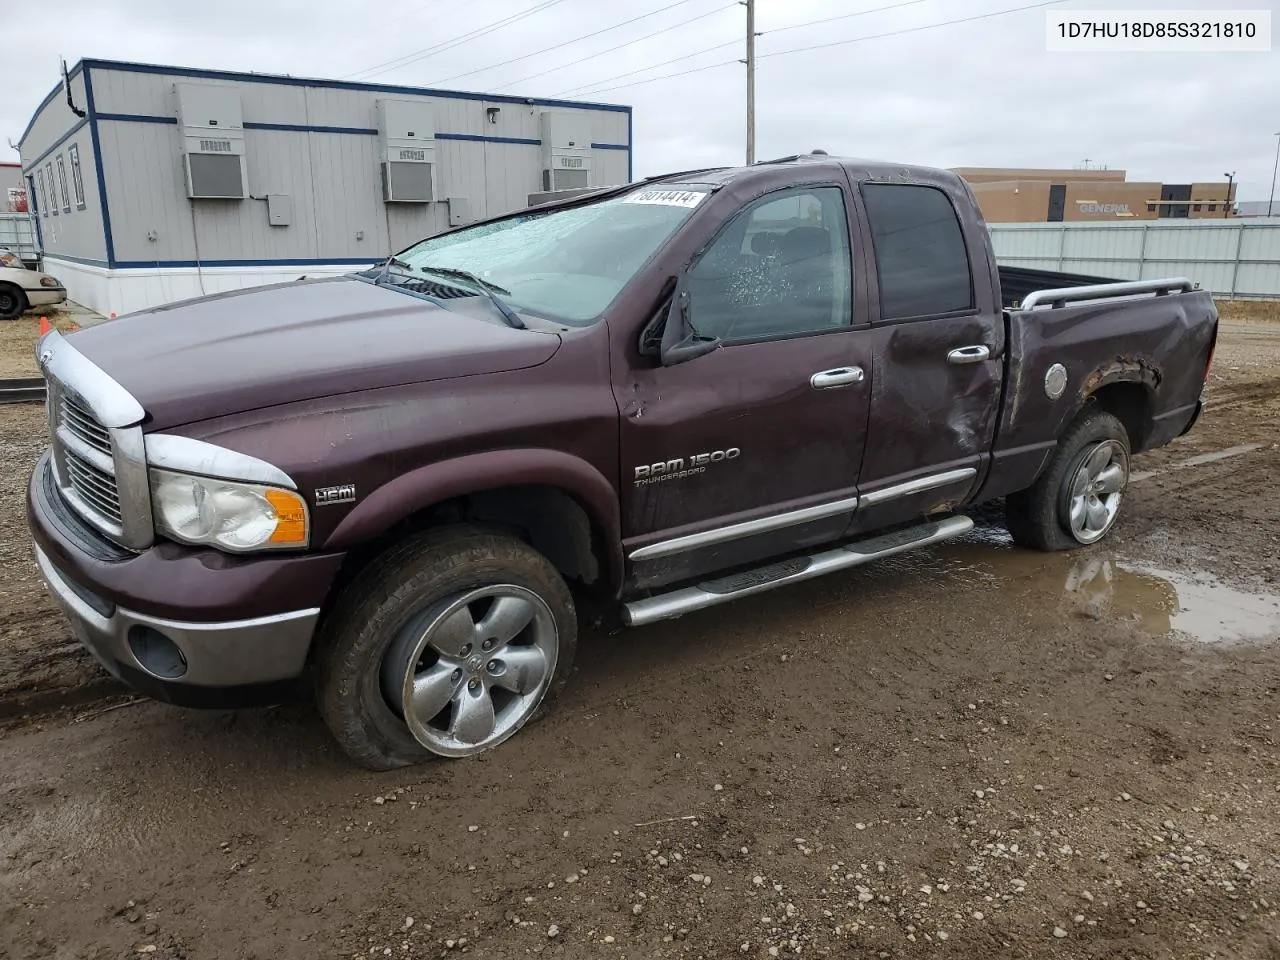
[[938, 345]]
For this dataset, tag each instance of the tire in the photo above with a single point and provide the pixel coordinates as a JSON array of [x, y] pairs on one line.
[[1041, 516], [383, 642], [13, 302]]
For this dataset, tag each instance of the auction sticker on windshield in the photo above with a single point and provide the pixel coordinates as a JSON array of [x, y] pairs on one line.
[[670, 198]]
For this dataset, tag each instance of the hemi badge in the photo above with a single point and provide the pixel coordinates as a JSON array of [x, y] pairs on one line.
[[343, 493]]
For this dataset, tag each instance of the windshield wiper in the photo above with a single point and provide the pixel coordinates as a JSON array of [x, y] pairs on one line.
[[490, 290], [386, 268]]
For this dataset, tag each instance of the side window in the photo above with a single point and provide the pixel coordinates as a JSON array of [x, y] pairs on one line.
[[77, 177], [62, 184], [53, 188], [779, 268], [921, 258], [44, 197]]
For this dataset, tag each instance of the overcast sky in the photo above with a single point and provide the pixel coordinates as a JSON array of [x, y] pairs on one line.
[[984, 93]]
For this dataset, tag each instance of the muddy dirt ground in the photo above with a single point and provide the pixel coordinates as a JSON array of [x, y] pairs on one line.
[[974, 752]]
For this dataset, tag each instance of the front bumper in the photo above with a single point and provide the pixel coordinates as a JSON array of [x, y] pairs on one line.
[[46, 296], [226, 654], [185, 625]]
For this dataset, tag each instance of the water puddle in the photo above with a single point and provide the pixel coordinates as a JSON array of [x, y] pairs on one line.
[[1099, 586]]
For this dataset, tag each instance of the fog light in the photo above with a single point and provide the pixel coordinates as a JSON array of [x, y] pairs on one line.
[[157, 654]]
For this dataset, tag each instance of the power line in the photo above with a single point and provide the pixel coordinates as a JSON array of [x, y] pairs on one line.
[[731, 43], [565, 43], [665, 76], [425, 52], [647, 36], [819, 46], [653, 66]]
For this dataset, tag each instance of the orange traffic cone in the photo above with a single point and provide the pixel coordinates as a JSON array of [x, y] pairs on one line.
[[44, 326]]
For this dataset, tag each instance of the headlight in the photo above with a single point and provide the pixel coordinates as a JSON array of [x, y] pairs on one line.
[[49, 282], [227, 514]]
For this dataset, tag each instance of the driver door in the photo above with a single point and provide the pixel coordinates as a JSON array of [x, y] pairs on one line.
[[752, 449]]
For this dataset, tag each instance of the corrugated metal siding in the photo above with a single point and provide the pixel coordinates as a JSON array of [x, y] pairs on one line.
[[1230, 258], [333, 177], [610, 166], [78, 233], [348, 208], [143, 173], [53, 121]]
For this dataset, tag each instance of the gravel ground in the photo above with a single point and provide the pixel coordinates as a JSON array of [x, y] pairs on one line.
[[971, 752], [18, 341]]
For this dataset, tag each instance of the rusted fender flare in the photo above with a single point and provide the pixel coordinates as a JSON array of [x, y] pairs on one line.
[[1122, 370], [475, 473]]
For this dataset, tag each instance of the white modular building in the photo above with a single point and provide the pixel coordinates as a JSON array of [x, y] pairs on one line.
[[151, 184]]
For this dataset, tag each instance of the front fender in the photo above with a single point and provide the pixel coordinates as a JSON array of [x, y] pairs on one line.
[[446, 479]]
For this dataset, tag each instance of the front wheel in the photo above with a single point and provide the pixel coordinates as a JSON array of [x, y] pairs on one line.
[[1077, 498], [445, 646], [13, 302]]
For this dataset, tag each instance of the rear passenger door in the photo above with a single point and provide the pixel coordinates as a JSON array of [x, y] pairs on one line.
[[938, 342]]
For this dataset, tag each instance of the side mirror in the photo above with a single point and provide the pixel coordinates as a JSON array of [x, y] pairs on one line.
[[680, 341]]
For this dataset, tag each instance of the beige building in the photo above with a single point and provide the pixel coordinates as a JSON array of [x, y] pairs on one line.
[[1035, 196]]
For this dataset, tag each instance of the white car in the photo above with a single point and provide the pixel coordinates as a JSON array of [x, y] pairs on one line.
[[22, 289]]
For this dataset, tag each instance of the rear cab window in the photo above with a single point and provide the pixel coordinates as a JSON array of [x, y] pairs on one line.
[[922, 262]]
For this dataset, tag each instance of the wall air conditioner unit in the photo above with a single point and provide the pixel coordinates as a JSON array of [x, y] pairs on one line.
[[566, 150], [407, 150], [212, 129]]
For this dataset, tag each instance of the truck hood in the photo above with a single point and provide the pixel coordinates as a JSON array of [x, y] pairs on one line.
[[265, 346]]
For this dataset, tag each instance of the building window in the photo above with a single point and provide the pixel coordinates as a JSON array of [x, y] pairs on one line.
[[44, 197], [77, 178], [53, 188], [1151, 208], [1195, 208], [1213, 207], [921, 258], [62, 185]]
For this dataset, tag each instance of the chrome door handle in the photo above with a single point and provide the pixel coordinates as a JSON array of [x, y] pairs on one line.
[[974, 354], [839, 377]]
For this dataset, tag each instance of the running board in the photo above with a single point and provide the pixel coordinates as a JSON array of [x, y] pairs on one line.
[[710, 593]]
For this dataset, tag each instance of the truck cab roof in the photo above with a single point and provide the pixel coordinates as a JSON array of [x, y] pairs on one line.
[[858, 169]]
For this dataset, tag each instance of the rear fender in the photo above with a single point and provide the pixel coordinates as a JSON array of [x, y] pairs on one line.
[[1121, 370], [445, 480]]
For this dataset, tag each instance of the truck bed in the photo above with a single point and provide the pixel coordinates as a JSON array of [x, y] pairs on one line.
[[1017, 282]]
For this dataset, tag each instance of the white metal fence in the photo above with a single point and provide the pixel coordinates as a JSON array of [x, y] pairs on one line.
[[17, 233], [1231, 258]]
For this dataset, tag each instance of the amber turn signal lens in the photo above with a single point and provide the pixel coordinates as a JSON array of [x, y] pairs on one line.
[[291, 516]]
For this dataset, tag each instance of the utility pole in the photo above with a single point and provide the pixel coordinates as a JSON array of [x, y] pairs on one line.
[[1274, 168], [1226, 207], [751, 81]]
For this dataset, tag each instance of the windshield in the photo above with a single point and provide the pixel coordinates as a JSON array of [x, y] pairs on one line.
[[565, 265]]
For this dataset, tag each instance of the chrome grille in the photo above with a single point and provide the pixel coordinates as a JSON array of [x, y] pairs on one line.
[[81, 423], [98, 452], [95, 487]]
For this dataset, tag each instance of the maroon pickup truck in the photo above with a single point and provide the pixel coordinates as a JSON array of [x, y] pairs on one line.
[[668, 395]]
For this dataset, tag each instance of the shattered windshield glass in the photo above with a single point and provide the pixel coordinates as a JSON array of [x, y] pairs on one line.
[[565, 265]]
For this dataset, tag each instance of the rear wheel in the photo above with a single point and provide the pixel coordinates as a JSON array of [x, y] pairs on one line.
[[446, 645], [13, 302], [1077, 498]]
